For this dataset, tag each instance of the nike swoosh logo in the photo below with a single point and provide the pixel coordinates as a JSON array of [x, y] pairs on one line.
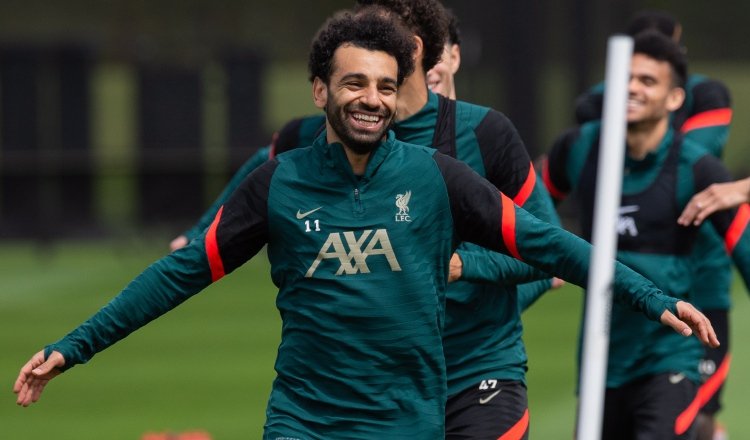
[[676, 378], [488, 398], [301, 215]]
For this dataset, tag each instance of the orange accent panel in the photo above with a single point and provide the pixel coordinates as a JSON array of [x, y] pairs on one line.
[[710, 118], [509, 225], [212, 249], [518, 430], [705, 392], [527, 188], [272, 150], [734, 233], [553, 191]]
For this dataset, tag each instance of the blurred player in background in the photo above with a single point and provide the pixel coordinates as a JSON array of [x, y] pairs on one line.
[[652, 389], [704, 118], [440, 79]]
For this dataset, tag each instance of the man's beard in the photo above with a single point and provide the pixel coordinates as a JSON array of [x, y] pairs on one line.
[[359, 142]]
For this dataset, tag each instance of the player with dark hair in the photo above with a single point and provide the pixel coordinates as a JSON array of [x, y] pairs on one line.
[[360, 228], [653, 378], [482, 340], [704, 118]]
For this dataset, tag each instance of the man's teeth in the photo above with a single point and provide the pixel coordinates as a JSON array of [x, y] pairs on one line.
[[368, 118]]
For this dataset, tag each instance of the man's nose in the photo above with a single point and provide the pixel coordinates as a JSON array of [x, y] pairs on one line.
[[370, 97]]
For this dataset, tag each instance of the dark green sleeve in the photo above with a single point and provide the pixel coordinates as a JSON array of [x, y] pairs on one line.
[[568, 256], [712, 138], [528, 293], [484, 266], [256, 160], [160, 288], [486, 217], [588, 106], [481, 265]]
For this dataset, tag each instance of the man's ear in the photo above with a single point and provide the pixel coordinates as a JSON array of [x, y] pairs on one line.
[[320, 93], [456, 55], [675, 98], [418, 54]]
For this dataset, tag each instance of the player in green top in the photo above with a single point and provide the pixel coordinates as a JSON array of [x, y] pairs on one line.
[[704, 118], [482, 339], [360, 229], [653, 378]]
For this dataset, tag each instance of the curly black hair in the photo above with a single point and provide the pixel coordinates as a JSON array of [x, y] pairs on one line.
[[658, 46], [662, 21], [368, 29], [454, 33], [427, 19]]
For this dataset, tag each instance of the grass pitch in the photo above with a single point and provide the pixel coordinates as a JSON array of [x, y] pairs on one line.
[[208, 365]]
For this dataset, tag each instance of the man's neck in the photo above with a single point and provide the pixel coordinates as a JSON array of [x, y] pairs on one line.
[[357, 161], [412, 95], [645, 137]]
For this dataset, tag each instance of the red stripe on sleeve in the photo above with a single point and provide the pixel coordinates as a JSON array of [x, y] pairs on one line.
[[509, 225], [518, 430], [710, 118], [553, 191], [527, 188], [272, 150], [737, 228], [705, 392], [212, 249]]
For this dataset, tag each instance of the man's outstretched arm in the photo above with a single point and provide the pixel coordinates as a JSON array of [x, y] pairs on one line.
[[486, 217]]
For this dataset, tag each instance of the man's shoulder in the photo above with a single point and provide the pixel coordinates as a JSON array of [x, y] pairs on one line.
[[702, 89], [581, 136], [409, 149], [473, 113], [298, 132], [692, 151], [590, 129]]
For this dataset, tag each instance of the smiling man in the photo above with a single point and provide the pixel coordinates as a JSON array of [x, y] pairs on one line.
[[653, 378], [360, 229], [359, 110]]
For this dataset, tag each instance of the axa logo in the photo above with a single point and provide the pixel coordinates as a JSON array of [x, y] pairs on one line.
[[625, 223], [352, 252], [402, 203]]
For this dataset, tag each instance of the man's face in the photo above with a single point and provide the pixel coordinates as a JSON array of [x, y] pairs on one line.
[[440, 77], [360, 99], [651, 95]]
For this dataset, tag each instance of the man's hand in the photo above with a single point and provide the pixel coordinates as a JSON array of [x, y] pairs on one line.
[[456, 266], [716, 197], [34, 376], [178, 243], [688, 321]]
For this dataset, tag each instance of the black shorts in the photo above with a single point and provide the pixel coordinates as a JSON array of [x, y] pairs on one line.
[[714, 366], [492, 410], [651, 408]]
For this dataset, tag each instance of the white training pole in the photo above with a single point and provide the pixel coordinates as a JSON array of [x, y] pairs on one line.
[[604, 239]]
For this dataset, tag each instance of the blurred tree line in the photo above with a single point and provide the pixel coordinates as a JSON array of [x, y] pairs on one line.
[[109, 108]]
